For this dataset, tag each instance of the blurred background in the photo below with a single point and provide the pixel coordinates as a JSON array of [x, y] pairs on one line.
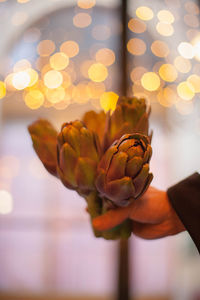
[[59, 59]]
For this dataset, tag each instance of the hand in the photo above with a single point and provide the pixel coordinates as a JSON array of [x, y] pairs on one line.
[[152, 214]]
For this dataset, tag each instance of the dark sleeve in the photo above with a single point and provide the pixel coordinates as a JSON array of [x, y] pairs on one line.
[[185, 199]]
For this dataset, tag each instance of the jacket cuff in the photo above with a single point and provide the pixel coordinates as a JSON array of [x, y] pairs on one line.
[[185, 199]]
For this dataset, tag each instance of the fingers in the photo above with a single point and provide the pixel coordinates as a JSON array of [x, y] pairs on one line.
[[153, 231], [111, 219]]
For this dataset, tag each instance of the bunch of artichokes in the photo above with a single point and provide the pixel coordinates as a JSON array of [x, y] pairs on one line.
[[104, 157]]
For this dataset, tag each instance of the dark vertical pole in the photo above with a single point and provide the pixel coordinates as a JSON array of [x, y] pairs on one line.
[[123, 251], [123, 47]]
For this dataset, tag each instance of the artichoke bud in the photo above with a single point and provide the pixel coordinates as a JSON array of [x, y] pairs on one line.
[[130, 116], [78, 156], [44, 138], [123, 172]]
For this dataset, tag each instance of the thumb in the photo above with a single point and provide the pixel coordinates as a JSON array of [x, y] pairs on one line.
[[111, 218]]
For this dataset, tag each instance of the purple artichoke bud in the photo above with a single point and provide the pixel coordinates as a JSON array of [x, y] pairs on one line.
[[44, 138], [123, 172], [130, 116], [78, 156]]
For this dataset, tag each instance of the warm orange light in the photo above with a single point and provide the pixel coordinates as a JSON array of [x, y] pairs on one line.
[[70, 48], [46, 48], [108, 101], [59, 61], [55, 95], [167, 97], [137, 26], [85, 67], [2, 89], [23, 1], [53, 79], [192, 7], [21, 65], [86, 4], [186, 50], [165, 29], [33, 75], [144, 13], [66, 79], [168, 72], [165, 16], [21, 80], [136, 46], [191, 20], [105, 56], [150, 81], [194, 80], [182, 64], [137, 73], [97, 72], [34, 99], [185, 90], [160, 48], [82, 20]]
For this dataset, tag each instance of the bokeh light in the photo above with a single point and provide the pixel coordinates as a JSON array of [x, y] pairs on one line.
[[34, 99], [2, 89], [168, 72], [59, 61], [194, 80], [53, 79], [21, 80], [108, 101], [86, 4], [165, 29], [182, 64], [137, 73], [70, 48], [186, 50], [82, 20], [137, 26], [185, 90], [150, 81], [160, 48], [136, 46], [97, 72], [105, 56], [46, 48], [165, 16], [55, 95], [21, 65], [144, 13]]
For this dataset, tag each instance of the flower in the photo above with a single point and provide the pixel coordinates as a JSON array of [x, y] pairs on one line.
[[123, 172]]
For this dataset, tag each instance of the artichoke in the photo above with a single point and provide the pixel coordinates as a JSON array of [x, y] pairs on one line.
[[44, 137], [95, 122], [78, 156], [130, 116], [123, 172]]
